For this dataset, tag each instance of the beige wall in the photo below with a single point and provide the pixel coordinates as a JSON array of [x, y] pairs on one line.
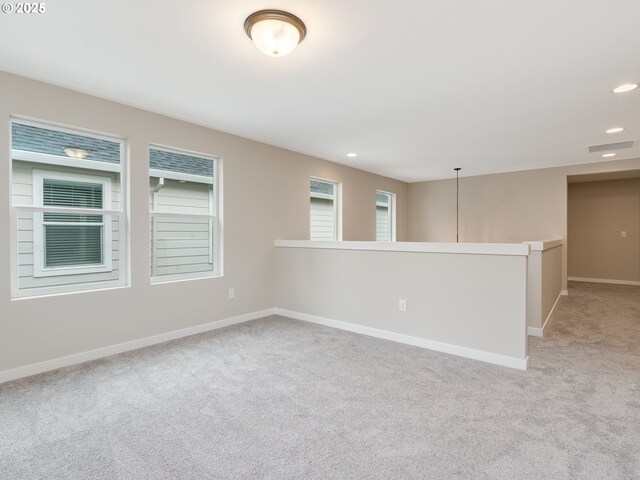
[[266, 197], [598, 213], [506, 207], [474, 301]]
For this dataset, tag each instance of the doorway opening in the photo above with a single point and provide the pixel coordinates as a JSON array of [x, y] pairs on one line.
[[603, 227]]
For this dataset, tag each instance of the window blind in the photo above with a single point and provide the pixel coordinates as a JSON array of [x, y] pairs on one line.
[[67, 241], [70, 245], [65, 193]]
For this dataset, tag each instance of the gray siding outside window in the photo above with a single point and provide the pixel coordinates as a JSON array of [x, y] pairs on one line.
[[22, 190]]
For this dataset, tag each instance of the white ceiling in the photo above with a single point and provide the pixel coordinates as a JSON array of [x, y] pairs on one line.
[[415, 87]]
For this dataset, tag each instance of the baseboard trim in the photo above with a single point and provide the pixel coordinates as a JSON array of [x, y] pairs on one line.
[[76, 358], [494, 358], [547, 322], [535, 332], [604, 280], [539, 332]]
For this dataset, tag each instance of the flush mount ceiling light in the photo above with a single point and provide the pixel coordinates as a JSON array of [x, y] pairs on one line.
[[608, 155], [624, 88], [76, 152], [352, 155], [274, 32], [615, 130]]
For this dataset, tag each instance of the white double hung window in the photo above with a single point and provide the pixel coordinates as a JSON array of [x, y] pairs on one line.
[[324, 210], [71, 243], [385, 217], [186, 233], [68, 226]]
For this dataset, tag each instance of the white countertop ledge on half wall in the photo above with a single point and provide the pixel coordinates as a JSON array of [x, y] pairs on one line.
[[544, 245], [517, 249]]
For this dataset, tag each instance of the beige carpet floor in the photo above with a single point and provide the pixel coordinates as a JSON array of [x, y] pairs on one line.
[[281, 399]]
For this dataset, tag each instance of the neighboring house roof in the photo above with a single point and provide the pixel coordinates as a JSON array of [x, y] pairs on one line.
[[382, 198], [179, 162], [321, 187], [42, 140]]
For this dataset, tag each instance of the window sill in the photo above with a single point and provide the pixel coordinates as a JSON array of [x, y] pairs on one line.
[[59, 291], [183, 278]]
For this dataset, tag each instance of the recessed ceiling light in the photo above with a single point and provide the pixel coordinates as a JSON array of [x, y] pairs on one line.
[[76, 152], [615, 130], [607, 155], [274, 32], [352, 155], [625, 87]]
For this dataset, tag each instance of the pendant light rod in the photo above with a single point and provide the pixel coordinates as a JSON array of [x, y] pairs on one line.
[[457, 169]]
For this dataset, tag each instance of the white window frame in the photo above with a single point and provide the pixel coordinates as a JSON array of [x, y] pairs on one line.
[[16, 209], [337, 204], [214, 216], [392, 214], [39, 268]]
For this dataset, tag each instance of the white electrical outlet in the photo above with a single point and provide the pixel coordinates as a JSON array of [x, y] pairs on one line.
[[402, 304], [232, 293], [623, 234]]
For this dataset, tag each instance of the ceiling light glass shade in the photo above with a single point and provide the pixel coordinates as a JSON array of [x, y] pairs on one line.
[[615, 130], [627, 87], [274, 32]]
